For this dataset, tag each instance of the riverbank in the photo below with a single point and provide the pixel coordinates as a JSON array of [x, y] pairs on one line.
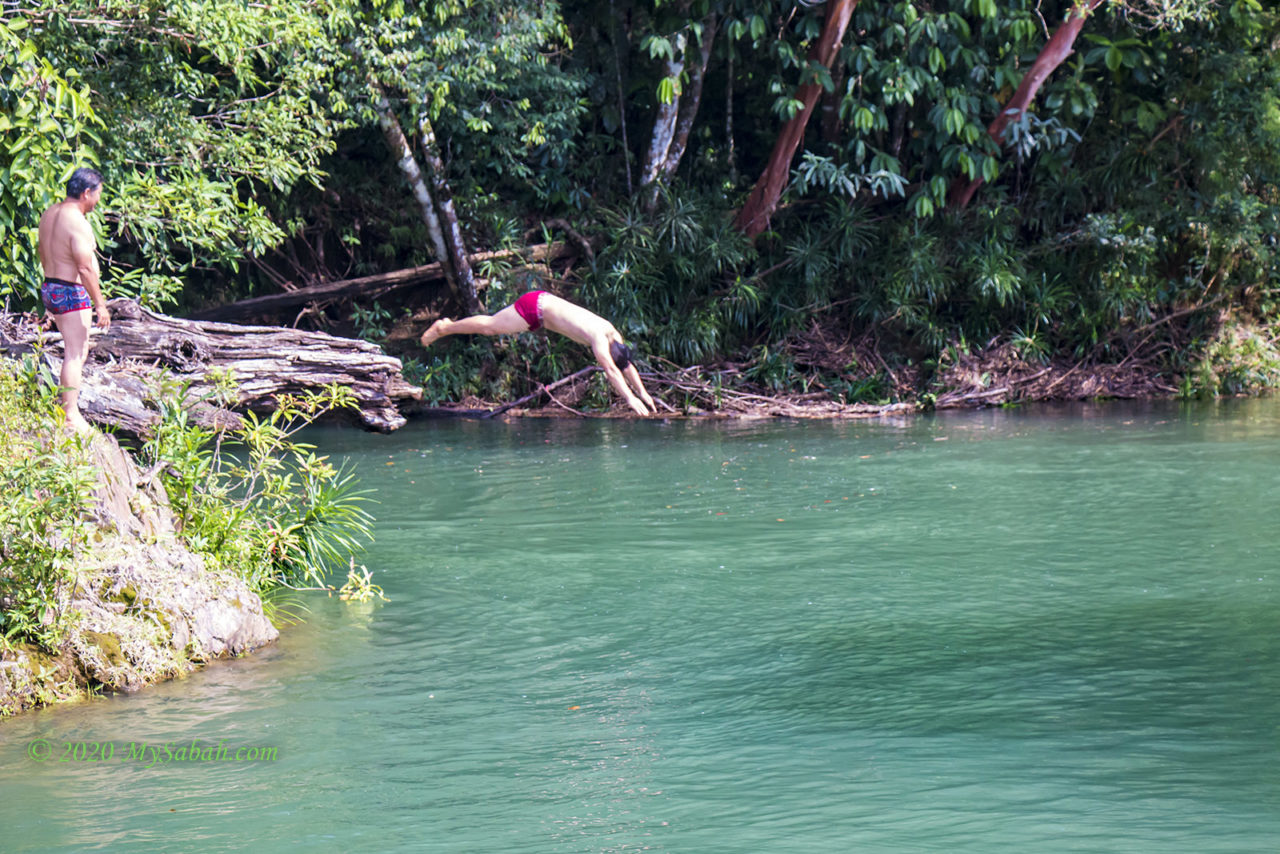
[[134, 605], [833, 372], [997, 375], [98, 591]]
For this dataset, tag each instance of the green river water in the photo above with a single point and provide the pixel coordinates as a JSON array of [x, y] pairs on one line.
[[1041, 630]]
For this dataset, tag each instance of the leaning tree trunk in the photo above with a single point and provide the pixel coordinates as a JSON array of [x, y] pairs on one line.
[[128, 363], [1054, 53], [443, 197], [664, 126], [690, 100], [408, 164], [763, 201]]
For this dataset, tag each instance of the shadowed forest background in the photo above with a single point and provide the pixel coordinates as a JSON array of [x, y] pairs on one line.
[[846, 198]]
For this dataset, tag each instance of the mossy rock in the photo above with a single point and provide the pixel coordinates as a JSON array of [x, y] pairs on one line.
[[109, 645]]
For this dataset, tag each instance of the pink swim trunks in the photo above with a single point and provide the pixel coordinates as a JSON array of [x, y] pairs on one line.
[[529, 307]]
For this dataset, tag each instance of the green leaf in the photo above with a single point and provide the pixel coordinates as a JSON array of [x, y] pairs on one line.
[[863, 119], [937, 61], [666, 90]]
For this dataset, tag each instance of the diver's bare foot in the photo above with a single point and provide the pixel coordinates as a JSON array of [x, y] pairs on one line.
[[434, 331]]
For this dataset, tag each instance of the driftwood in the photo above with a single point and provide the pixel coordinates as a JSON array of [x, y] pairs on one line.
[[367, 286], [705, 393], [120, 378], [546, 389]]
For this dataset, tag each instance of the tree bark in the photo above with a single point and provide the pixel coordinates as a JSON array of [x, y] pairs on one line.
[[728, 123], [763, 201], [1053, 54], [690, 100], [124, 361], [664, 124], [452, 232], [619, 46], [408, 164], [830, 110]]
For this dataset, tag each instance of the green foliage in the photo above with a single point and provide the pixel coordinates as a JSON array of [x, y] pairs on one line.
[[772, 369], [359, 586], [202, 105], [457, 368], [482, 71], [256, 501], [47, 480], [873, 388], [1140, 184], [47, 130], [1241, 358], [371, 322], [674, 277]]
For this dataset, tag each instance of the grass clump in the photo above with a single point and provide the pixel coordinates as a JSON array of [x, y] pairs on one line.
[[255, 500], [46, 478]]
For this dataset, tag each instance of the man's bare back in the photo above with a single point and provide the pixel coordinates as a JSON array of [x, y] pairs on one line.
[[61, 227], [575, 322]]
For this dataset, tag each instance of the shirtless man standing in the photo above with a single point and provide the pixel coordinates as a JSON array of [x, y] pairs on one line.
[[70, 291], [539, 308]]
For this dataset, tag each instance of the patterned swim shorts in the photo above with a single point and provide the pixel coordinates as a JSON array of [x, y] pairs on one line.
[[61, 297]]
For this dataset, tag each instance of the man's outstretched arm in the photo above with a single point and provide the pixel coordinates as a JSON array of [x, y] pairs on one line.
[[633, 377], [618, 381]]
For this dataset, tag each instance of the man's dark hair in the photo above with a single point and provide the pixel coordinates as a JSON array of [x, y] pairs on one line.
[[82, 180], [621, 353]]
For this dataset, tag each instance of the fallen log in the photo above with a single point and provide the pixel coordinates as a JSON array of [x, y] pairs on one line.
[[125, 362], [367, 286]]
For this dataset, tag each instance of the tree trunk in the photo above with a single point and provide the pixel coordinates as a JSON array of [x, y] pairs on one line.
[[1054, 53], [763, 201], [691, 100], [899, 125], [664, 124], [265, 362], [443, 197], [619, 46], [421, 192], [728, 123], [830, 110]]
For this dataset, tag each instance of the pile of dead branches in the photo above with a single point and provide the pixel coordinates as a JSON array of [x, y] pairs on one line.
[[720, 391], [999, 373], [829, 347]]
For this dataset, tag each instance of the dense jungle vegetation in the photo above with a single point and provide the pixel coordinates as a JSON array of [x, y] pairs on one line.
[[744, 181]]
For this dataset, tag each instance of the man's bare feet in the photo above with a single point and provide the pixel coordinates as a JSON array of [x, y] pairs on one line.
[[434, 331], [75, 423]]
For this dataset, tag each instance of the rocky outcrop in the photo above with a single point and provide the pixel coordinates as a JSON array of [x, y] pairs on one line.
[[145, 608]]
